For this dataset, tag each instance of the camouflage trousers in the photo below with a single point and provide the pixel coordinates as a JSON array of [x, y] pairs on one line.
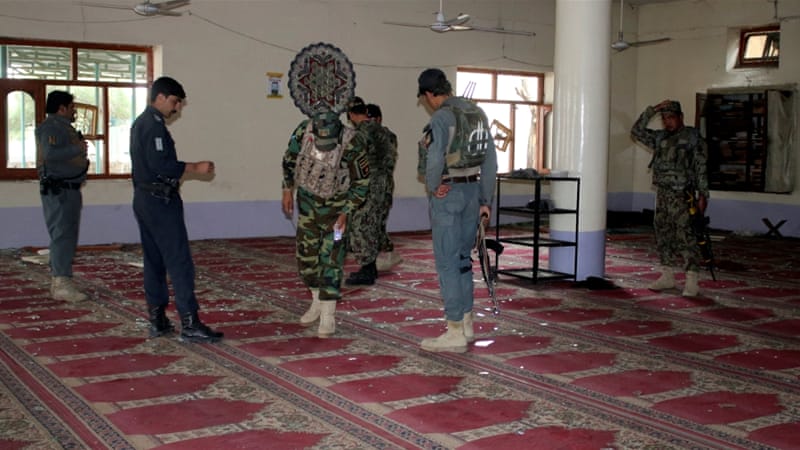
[[385, 243], [673, 227], [367, 228], [320, 260]]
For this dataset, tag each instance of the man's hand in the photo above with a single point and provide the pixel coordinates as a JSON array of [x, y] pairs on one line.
[[287, 203], [661, 105], [486, 214], [341, 222], [201, 167], [702, 203], [441, 191]]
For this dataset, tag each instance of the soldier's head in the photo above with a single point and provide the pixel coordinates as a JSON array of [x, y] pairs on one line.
[[374, 113], [326, 127], [167, 95], [672, 116], [61, 103], [433, 88], [356, 110]]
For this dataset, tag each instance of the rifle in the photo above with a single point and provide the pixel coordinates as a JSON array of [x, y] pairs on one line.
[[489, 272], [700, 228]]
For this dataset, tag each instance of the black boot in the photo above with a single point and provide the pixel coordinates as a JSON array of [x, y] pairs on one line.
[[193, 330], [159, 324], [365, 276]]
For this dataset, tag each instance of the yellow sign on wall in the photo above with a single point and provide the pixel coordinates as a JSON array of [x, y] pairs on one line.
[[274, 85]]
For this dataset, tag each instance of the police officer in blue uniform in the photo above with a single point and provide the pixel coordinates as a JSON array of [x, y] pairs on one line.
[[62, 164], [459, 166], [158, 208]]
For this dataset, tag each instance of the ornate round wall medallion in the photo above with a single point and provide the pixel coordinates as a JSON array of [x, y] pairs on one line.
[[321, 77]]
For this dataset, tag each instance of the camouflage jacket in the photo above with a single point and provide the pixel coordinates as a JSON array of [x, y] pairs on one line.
[[354, 159], [679, 157], [383, 148]]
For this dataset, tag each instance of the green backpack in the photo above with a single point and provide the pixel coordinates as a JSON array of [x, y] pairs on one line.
[[471, 140]]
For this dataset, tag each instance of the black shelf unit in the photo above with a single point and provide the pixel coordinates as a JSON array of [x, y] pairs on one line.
[[736, 126], [536, 210]]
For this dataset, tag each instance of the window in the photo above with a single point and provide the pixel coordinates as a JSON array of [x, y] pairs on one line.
[[109, 83], [759, 47], [513, 102]]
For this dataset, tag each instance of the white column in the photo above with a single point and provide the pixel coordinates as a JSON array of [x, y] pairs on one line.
[[580, 130]]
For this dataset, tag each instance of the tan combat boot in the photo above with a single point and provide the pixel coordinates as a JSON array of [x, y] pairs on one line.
[[327, 318], [389, 260], [690, 289], [469, 330], [62, 288], [665, 281], [313, 312], [451, 341]]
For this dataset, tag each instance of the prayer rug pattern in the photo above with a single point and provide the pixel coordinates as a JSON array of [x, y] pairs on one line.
[[561, 366]]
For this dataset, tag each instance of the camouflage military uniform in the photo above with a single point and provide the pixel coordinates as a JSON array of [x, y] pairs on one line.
[[388, 142], [678, 164], [320, 259], [367, 230]]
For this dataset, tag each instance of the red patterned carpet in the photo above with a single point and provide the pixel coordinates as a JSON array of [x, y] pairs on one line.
[[561, 367]]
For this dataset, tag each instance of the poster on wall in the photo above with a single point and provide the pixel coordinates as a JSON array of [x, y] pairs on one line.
[[274, 85]]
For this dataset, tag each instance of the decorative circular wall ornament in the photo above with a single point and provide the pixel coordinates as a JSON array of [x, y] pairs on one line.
[[321, 77]]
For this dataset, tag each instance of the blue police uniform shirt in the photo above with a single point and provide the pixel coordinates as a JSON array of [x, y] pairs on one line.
[[60, 150], [153, 149]]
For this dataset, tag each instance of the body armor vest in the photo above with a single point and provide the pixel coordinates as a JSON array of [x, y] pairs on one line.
[[321, 173]]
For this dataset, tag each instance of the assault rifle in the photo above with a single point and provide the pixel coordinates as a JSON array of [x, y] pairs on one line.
[[700, 228], [489, 271]]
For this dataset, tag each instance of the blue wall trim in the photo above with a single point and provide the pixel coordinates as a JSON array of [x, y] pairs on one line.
[[740, 216], [106, 224]]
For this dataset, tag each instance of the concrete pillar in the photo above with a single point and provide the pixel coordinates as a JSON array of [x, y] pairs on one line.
[[580, 130]]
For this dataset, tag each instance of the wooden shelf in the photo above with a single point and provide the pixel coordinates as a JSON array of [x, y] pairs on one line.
[[735, 128]]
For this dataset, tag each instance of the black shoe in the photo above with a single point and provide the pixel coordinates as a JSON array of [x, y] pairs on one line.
[[159, 324], [365, 276], [193, 330]]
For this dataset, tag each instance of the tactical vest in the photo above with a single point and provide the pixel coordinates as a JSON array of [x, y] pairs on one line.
[[673, 161], [422, 152], [321, 173], [469, 143]]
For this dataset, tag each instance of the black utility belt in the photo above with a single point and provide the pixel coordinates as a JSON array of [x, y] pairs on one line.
[[160, 188], [50, 186], [62, 184], [161, 191], [466, 179]]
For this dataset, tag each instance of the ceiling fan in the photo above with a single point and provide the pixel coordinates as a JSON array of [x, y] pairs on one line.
[[147, 8], [621, 44], [458, 23]]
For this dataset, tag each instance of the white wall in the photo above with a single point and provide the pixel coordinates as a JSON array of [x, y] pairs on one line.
[[221, 53]]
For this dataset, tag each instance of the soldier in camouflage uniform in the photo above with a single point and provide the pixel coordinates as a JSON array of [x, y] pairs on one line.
[[365, 231], [388, 142], [679, 167], [330, 175]]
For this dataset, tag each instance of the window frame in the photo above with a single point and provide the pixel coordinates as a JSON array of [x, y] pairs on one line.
[[37, 88], [542, 110], [745, 34]]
